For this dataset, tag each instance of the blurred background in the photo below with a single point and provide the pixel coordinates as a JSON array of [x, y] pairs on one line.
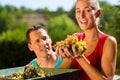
[[57, 15]]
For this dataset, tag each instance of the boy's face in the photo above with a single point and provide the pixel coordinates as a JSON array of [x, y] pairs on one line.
[[40, 43]]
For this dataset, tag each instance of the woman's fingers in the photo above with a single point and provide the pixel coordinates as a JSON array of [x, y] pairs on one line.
[[74, 51], [60, 52], [67, 52]]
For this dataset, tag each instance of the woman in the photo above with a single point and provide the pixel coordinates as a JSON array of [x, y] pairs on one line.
[[40, 42], [98, 62]]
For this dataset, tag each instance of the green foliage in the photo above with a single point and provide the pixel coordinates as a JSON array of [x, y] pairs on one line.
[[14, 54], [14, 51], [10, 16], [6, 21], [25, 10], [15, 35], [19, 15], [72, 14], [60, 10], [10, 9], [13, 44], [110, 23], [61, 26]]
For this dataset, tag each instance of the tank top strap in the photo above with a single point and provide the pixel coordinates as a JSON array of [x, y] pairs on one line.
[[101, 43], [80, 35]]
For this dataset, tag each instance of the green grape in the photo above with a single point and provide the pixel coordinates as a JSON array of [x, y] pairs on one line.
[[41, 73], [79, 45]]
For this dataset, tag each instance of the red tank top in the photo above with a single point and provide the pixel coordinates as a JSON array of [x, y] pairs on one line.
[[94, 58]]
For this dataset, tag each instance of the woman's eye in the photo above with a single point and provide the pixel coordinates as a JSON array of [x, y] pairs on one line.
[[77, 11], [88, 10]]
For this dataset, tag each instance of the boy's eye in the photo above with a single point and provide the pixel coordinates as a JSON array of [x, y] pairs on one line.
[[44, 38], [37, 40]]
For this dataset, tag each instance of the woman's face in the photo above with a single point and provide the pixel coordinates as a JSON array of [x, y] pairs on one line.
[[85, 14], [40, 43]]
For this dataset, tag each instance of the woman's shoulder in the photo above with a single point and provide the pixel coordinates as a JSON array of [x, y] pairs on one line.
[[110, 39], [110, 44], [107, 38]]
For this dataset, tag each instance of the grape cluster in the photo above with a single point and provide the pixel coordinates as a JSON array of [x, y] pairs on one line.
[[29, 72], [80, 46]]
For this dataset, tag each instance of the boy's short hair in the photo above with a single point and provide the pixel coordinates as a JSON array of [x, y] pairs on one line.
[[33, 28]]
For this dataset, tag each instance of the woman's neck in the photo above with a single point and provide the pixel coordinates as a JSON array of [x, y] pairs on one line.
[[92, 35]]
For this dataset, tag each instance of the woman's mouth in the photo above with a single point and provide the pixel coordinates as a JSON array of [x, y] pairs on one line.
[[83, 21]]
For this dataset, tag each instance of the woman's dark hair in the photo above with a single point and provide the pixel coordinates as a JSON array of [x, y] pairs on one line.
[[33, 28]]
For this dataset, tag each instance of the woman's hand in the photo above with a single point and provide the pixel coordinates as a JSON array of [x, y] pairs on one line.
[[71, 47], [66, 55], [67, 52], [63, 52]]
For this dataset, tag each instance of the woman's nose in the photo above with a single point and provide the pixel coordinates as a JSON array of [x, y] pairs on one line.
[[82, 14]]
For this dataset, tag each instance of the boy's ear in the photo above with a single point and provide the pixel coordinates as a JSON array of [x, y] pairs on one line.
[[30, 47], [98, 12], [50, 39]]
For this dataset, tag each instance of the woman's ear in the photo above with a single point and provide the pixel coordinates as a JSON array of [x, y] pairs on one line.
[[98, 12], [30, 47]]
